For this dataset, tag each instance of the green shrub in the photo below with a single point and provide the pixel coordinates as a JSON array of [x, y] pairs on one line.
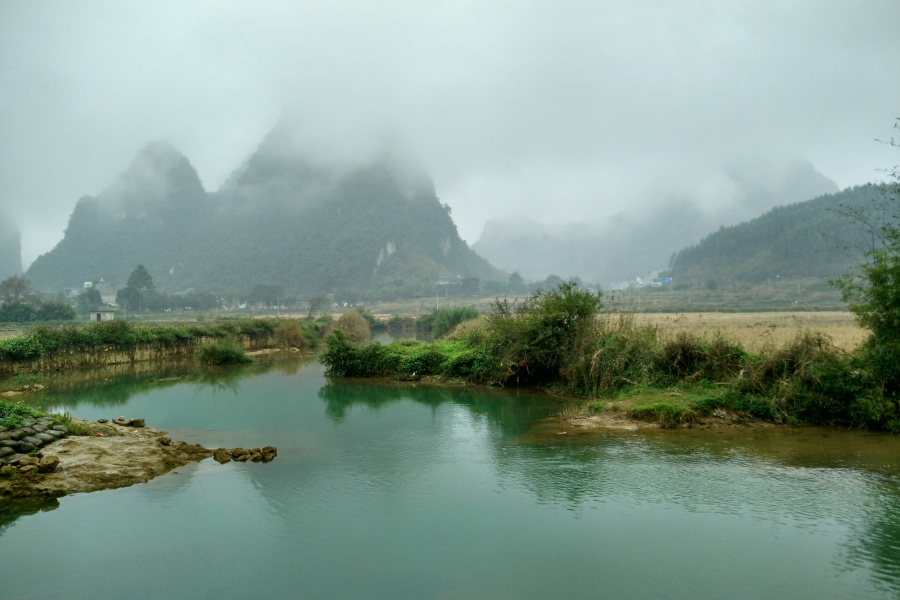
[[545, 333], [291, 334], [16, 312], [224, 352], [444, 320], [354, 325], [55, 311]]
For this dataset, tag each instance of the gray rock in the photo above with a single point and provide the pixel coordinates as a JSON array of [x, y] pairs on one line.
[[25, 447], [4, 435], [17, 434], [55, 433], [6, 451], [14, 459], [27, 430], [62, 428], [38, 428], [9, 444], [3, 428], [33, 440], [45, 437], [28, 422]]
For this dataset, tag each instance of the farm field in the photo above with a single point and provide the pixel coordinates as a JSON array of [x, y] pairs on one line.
[[759, 330]]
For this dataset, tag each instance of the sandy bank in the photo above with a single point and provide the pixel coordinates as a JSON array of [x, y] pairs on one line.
[[620, 419]]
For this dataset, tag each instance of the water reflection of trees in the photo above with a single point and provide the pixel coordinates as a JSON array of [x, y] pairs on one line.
[[763, 477], [11, 510], [507, 408], [114, 387]]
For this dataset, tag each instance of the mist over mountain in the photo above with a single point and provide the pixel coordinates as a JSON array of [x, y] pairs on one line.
[[10, 247], [309, 225], [644, 237]]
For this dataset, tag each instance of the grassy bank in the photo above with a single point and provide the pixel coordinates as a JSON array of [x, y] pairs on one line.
[[44, 341], [556, 340]]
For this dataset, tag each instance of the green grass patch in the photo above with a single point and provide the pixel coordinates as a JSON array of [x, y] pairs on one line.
[[12, 413], [667, 414]]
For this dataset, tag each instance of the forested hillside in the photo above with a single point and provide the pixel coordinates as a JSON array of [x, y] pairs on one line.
[[279, 220], [806, 239]]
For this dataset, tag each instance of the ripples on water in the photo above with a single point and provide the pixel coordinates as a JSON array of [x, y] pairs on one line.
[[401, 491]]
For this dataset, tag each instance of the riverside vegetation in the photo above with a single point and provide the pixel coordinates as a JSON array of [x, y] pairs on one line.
[[219, 346], [557, 340]]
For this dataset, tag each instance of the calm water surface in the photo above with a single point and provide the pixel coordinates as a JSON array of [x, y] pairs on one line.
[[402, 491]]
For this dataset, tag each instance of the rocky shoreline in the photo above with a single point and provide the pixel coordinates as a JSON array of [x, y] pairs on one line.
[[115, 454]]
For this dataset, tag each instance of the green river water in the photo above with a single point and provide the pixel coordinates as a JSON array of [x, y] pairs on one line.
[[403, 491]]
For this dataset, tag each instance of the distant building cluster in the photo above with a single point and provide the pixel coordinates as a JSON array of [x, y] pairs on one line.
[[652, 280]]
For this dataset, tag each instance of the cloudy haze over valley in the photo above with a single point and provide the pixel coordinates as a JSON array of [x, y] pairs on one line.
[[562, 115]]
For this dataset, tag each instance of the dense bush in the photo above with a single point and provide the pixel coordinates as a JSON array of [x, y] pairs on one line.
[[546, 332], [55, 311], [223, 352], [407, 359], [444, 320], [16, 312], [354, 325], [292, 334]]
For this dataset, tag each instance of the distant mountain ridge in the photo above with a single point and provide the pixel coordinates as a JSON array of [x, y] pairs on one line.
[[643, 237], [278, 220], [805, 239]]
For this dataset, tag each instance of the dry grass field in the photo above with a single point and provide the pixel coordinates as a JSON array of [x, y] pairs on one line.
[[758, 331]]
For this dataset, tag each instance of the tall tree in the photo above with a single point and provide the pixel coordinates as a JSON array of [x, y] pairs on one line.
[[89, 300], [874, 292], [14, 289], [141, 280], [130, 297]]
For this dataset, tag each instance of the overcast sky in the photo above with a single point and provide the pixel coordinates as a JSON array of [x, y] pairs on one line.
[[558, 111]]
